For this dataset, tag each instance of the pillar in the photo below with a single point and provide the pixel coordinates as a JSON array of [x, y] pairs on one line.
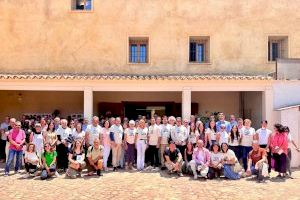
[[186, 103], [268, 107], [88, 103]]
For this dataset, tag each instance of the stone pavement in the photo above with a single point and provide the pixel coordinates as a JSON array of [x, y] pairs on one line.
[[146, 185]]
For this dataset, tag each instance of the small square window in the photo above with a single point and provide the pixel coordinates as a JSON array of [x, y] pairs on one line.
[[199, 49], [277, 47], [138, 49], [82, 5]]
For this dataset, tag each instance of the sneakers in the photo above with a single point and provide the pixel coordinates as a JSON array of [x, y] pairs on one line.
[[56, 174], [180, 174], [6, 174], [27, 175], [195, 177]]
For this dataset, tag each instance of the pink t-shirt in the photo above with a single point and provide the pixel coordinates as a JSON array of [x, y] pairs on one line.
[[18, 136]]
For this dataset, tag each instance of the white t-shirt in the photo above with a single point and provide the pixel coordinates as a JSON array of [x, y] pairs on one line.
[[77, 135], [63, 133], [118, 133], [263, 135], [247, 136], [234, 142], [215, 158], [224, 136], [211, 133], [179, 134], [193, 137], [31, 156], [94, 132], [130, 135], [153, 134], [38, 141], [165, 133], [142, 133], [229, 155]]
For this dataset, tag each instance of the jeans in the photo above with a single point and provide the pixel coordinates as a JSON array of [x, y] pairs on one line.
[[245, 153], [130, 153], [229, 173], [141, 148], [45, 175], [11, 155]]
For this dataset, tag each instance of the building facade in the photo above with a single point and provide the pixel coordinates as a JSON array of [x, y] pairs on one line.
[[87, 57]]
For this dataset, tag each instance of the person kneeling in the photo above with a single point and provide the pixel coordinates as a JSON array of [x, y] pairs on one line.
[[200, 162], [76, 159], [48, 162], [31, 160], [95, 158], [257, 161], [173, 159]]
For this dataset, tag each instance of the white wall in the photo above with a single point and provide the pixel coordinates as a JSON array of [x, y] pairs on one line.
[[286, 93]]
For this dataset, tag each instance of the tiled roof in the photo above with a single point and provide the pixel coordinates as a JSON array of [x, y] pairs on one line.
[[133, 77]]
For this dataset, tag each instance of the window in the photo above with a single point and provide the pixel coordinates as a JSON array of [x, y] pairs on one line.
[[82, 5], [138, 50], [277, 47], [199, 49]]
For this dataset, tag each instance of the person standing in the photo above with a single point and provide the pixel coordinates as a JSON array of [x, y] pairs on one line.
[[3, 130], [153, 141], [63, 132], [223, 121], [179, 135], [247, 137], [290, 143], [141, 144], [92, 132], [105, 140], [16, 139], [263, 135], [116, 137], [165, 133], [129, 142]]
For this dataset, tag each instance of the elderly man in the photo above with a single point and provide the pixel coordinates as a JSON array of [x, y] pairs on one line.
[[92, 131], [63, 132], [16, 139], [173, 159], [257, 159], [179, 135], [116, 136], [95, 158], [200, 161]]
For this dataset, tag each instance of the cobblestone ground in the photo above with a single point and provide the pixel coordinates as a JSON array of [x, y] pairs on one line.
[[146, 185]]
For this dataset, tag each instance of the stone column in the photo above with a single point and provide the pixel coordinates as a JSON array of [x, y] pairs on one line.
[[88, 103], [268, 107], [186, 103]]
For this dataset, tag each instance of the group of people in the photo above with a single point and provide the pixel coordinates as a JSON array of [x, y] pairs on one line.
[[216, 148]]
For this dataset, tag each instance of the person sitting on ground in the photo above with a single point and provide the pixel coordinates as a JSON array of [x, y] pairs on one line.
[[229, 161], [76, 159], [215, 164], [31, 160], [95, 158], [256, 160], [173, 159], [200, 162], [48, 162]]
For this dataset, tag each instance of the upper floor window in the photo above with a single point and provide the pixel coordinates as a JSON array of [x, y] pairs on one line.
[[277, 47], [199, 49], [138, 49], [82, 5]]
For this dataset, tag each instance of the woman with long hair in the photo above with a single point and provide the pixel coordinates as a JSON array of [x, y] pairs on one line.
[[234, 141], [188, 156], [211, 132], [76, 159], [200, 131], [105, 140]]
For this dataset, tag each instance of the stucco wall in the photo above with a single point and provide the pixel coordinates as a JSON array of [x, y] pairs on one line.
[[45, 36]]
